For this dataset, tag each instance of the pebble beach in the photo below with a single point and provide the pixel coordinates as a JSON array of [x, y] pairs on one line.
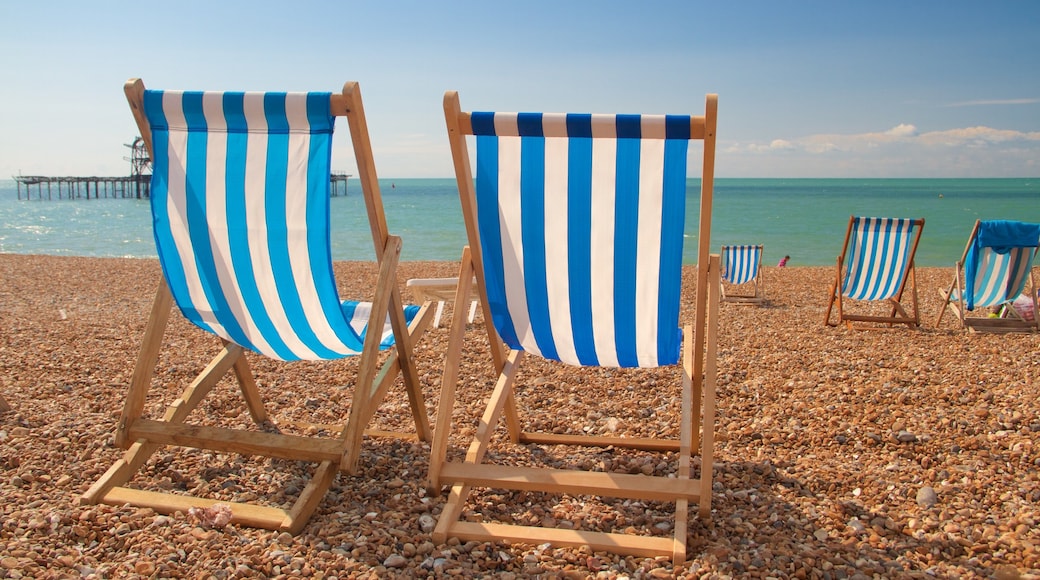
[[839, 454]]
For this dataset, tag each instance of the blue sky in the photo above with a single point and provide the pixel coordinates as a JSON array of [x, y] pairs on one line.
[[806, 89]]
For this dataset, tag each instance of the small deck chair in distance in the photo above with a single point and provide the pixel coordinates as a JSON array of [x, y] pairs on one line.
[[741, 272], [575, 228], [240, 203], [995, 269], [875, 265]]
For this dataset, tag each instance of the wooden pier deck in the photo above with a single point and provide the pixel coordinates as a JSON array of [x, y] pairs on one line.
[[136, 187], [81, 187]]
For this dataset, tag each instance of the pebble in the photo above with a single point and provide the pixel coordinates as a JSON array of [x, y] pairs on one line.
[[827, 442], [926, 497]]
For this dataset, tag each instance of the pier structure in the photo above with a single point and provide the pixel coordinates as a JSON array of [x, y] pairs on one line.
[[83, 187], [132, 186]]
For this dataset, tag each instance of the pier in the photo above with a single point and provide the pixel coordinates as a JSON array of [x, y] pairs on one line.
[[133, 186], [83, 187]]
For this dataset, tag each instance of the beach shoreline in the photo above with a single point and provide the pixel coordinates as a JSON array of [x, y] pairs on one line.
[[840, 454]]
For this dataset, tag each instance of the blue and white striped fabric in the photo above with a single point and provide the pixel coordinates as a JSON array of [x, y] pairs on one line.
[[879, 251], [581, 225], [1000, 278], [240, 207], [998, 261], [740, 263]]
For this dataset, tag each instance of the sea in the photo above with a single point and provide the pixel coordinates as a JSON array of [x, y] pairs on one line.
[[805, 218]]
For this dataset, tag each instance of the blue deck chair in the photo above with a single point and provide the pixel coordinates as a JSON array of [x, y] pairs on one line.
[[741, 274], [995, 269], [240, 206], [876, 264], [575, 230]]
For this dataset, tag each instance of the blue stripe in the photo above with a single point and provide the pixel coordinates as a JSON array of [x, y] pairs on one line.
[[482, 122], [172, 268], [677, 127], [319, 241], [529, 125], [672, 223], [626, 218], [628, 127], [234, 113], [532, 231], [199, 221], [238, 231], [491, 238], [277, 169], [579, 238], [579, 125]]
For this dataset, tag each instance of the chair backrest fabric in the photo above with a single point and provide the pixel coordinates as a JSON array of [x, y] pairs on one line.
[[581, 223], [878, 257], [1000, 277], [740, 263], [240, 205], [998, 261]]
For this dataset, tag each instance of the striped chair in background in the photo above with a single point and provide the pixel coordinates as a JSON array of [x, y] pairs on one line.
[[575, 229], [994, 271], [240, 206], [741, 272], [876, 263]]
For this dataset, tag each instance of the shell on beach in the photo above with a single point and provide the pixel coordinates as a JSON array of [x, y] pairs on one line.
[[839, 453]]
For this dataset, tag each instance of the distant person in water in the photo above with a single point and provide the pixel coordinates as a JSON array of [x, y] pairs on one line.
[[783, 262]]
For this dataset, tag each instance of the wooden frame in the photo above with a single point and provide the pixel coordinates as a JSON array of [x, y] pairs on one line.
[[898, 314], [1008, 320], [757, 284], [142, 437], [439, 290], [695, 423]]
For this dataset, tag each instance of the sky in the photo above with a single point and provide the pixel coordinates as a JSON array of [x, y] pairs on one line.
[[885, 88]]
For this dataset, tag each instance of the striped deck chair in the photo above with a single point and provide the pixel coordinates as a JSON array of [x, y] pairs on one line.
[[575, 230], [240, 206], [741, 267], [995, 269], [877, 261]]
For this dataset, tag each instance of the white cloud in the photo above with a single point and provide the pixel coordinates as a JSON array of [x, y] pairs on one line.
[[902, 130], [990, 102], [900, 151]]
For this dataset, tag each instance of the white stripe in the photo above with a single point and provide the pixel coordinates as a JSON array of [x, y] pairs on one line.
[[604, 158], [604, 127], [176, 209], [216, 215], [296, 213], [556, 259], [505, 124], [256, 221], [512, 240], [648, 258]]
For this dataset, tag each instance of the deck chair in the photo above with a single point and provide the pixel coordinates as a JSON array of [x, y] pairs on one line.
[[995, 269], [240, 204], [741, 274], [575, 231], [876, 263]]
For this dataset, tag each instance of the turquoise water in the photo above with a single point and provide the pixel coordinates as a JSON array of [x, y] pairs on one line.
[[805, 218]]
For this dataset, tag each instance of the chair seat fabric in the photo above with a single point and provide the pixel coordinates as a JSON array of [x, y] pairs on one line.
[[740, 263], [998, 260], [879, 251], [240, 205], [581, 237]]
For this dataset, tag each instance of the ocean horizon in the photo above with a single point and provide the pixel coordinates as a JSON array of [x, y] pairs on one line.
[[804, 218]]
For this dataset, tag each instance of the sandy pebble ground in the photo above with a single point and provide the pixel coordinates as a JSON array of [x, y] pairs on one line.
[[840, 454]]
